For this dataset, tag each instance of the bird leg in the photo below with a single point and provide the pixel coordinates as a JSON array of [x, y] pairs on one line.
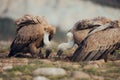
[[106, 57], [40, 55], [34, 50]]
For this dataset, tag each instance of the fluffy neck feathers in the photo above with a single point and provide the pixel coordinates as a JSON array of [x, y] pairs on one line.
[[46, 39], [69, 44]]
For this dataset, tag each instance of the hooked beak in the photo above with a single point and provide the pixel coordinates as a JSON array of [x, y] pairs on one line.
[[48, 51], [59, 52]]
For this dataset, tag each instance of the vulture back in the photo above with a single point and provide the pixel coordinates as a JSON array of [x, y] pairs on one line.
[[96, 45], [30, 30]]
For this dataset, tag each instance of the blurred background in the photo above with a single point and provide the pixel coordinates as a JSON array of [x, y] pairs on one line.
[[61, 13]]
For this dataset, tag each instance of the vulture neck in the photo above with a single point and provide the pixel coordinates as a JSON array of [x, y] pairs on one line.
[[46, 39], [69, 44]]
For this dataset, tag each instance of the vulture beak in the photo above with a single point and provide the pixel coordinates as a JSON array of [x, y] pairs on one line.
[[65, 46], [48, 51], [59, 52]]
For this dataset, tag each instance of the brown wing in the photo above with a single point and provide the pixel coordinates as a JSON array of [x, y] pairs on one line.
[[90, 23], [97, 45], [26, 36], [29, 19], [80, 35]]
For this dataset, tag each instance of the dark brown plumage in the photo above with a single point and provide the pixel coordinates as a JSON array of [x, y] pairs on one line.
[[80, 35], [29, 35], [82, 28], [90, 23], [99, 44]]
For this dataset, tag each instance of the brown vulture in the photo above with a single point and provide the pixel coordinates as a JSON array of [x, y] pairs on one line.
[[33, 32], [86, 37], [80, 30], [99, 43]]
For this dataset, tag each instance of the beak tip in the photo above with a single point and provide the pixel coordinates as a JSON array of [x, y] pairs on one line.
[[59, 52]]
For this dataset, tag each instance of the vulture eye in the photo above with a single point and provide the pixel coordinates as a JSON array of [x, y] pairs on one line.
[[46, 30]]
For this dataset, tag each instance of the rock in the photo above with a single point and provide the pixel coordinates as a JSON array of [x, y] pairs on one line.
[[1, 69], [94, 64], [98, 62], [40, 78], [50, 71], [15, 78], [1, 79], [18, 73], [4, 73], [45, 61], [76, 66], [97, 77], [66, 78], [26, 77], [118, 78], [7, 67], [80, 75]]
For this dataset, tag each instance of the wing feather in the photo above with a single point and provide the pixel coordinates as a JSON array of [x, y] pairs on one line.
[[25, 36], [97, 45]]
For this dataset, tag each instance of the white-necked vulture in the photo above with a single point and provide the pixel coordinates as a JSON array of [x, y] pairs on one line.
[[79, 31], [33, 32], [99, 43]]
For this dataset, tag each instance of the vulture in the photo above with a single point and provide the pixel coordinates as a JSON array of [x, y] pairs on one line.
[[32, 33], [79, 31], [99, 43]]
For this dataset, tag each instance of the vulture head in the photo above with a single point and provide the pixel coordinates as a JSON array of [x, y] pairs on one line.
[[64, 46]]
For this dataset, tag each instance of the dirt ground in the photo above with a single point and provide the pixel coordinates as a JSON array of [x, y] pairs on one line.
[[22, 68]]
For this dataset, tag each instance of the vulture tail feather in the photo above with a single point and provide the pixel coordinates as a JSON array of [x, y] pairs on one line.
[[78, 52], [91, 55]]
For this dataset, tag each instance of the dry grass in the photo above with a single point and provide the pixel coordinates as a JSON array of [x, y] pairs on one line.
[[109, 70]]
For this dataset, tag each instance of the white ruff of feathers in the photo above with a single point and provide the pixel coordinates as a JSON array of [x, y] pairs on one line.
[[46, 40], [69, 44]]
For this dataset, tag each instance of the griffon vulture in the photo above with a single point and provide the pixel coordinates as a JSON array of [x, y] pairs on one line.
[[33, 32], [79, 31], [99, 43]]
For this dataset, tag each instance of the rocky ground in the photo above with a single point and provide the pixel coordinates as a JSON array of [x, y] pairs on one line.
[[56, 69]]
